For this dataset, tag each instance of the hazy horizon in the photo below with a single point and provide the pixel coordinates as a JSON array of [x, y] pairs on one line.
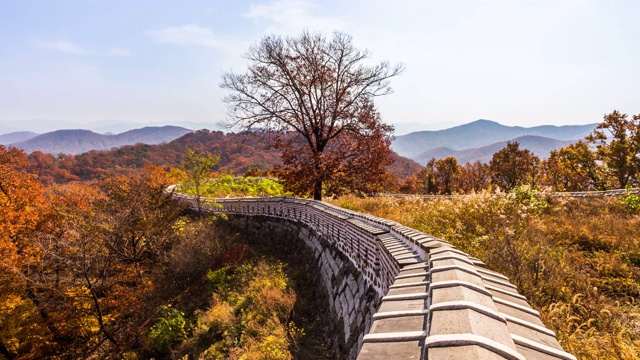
[[116, 128]]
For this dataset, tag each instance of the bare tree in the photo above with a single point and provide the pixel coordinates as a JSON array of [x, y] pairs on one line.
[[319, 91]]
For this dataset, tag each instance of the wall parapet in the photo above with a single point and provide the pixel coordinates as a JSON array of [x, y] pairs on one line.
[[436, 301], [562, 194]]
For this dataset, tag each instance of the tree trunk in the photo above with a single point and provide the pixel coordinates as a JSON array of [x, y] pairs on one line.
[[44, 315], [98, 310], [317, 190]]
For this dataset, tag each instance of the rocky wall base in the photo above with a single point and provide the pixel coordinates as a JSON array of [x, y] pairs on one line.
[[350, 301]]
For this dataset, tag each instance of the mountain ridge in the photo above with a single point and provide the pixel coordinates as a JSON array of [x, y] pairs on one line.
[[480, 133], [76, 141], [16, 136]]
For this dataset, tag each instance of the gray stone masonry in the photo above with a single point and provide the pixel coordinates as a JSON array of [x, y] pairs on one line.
[[430, 300], [350, 300]]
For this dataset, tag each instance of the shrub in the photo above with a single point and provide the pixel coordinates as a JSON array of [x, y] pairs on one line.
[[170, 328], [631, 203]]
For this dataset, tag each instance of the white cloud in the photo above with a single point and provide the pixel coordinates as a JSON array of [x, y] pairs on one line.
[[292, 16], [119, 52], [187, 35], [68, 47], [61, 46]]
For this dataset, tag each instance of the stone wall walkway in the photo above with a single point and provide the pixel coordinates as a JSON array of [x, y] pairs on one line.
[[437, 302]]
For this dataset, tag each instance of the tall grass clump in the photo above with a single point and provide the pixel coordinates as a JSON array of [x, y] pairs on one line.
[[576, 260]]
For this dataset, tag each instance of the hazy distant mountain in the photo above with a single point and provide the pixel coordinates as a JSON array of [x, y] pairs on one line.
[[114, 126], [79, 141], [480, 133], [541, 146], [17, 136], [409, 127]]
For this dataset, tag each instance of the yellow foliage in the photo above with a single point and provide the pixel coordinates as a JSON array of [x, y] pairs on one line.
[[270, 344], [576, 260], [218, 318], [251, 320]]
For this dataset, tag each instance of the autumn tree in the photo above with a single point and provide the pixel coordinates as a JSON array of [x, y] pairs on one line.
[[349, 163], [410, 185], [557, 173], [617, 141], [198, 167], [512, 166], [427, 178], [107, 248], [575, 168], [321, 92], [138, 216], [474, 177], [77, 272], [22, 206], [447, 172], [42, 307]]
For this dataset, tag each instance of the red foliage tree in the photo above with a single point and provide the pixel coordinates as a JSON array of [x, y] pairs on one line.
[[512, 166]]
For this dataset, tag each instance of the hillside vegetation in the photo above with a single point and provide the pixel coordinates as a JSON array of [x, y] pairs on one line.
[[119, 269], [576, 260], [237, 153]]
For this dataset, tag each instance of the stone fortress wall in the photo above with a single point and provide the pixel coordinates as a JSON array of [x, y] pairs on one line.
[[397, 293]]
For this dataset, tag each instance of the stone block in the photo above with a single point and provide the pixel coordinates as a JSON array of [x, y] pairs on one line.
[[461, 293], [454, 273], [451, 260], [412, 276], [508, 295], [467, 352], [399, 324], [352, 283], [402, 305], [410, 350], [411, 261], [469, 321], [542, 337], [417, 289], [346, 328]]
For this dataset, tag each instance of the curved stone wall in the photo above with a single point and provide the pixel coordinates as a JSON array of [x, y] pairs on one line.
[[435, 302], [349, 300]]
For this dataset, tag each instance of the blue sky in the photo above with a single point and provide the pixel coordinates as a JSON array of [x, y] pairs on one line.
[[110, 65]]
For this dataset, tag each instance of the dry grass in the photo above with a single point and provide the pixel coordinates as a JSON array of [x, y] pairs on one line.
[[576, 260]]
